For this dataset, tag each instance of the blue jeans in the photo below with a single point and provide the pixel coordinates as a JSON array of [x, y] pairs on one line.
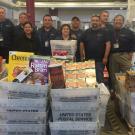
[[99, 71]]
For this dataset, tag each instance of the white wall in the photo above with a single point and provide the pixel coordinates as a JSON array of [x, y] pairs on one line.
[[9, 13], [113, 13], [84, 14], [65, 14], [40, 12]]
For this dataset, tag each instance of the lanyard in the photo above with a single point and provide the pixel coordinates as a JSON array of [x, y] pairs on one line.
[[117, 35]]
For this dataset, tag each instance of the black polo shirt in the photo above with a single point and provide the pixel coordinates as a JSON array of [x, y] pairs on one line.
[[109, 29], [45, 37], [6, 37], [94, 43], [78, 35], [125, 39]]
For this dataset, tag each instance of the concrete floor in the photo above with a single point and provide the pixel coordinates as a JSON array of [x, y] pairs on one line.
[[114, 124]]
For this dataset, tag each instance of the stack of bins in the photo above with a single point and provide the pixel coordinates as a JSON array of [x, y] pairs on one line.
[[75, 111], [23, 109]]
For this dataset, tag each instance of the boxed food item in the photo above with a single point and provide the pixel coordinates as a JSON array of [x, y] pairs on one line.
[[56, 76], [130, 81], [80, 75], [18, 61], [76, 83], [63, 49], [120, 76], [39, 66], [24, 74]]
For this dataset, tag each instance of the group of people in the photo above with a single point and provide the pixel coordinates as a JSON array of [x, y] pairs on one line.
[[109, 45], [25, 37]]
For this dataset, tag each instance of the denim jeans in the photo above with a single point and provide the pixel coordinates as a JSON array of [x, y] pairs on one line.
[[99, 71]]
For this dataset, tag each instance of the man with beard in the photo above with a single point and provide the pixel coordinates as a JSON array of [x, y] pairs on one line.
[[46, 33], [95, 45]]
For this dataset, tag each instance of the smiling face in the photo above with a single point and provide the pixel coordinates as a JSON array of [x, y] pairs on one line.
[[95, 22], [118, 22], [2, 14], [28, 29], [65, 31], [47, 22]]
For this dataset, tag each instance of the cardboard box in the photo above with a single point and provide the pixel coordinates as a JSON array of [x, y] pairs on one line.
[[130, 81]]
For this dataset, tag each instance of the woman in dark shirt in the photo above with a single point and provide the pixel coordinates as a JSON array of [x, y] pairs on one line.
[[28, 41], [65, 33]]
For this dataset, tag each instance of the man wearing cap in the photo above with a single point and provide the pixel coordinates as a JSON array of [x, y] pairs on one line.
[[76, 31]]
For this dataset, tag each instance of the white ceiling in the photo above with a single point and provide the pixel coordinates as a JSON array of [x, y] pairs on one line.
[[67, 4]]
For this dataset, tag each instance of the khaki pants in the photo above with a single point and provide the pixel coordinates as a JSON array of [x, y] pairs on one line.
[[119, 62]]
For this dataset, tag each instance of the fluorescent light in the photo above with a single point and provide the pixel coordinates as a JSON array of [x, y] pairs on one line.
[[77, 4], [8, 3]]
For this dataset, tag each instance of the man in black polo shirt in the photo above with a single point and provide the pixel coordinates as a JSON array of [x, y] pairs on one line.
[[75, 30], [95, 45], [6, 34], [122, 47], [46, 33], [104, 23], [19, 28]]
